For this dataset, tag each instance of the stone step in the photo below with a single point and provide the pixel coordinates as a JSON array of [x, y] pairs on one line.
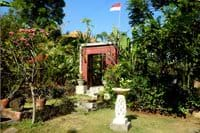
[[94, 90], [88, 106], [81, 89]]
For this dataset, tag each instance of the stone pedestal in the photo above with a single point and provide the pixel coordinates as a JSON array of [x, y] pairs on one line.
[[81, 89], [120, 122], [120, 127]]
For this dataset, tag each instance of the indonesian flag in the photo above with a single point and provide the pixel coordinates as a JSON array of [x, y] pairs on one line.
[[116, 7]]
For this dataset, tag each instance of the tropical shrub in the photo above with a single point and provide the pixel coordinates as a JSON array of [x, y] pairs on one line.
[[165, 51]]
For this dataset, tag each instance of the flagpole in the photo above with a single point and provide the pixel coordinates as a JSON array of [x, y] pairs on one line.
[[119, 19], [119, 27]]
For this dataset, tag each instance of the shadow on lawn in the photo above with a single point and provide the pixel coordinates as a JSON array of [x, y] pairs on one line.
[[50, 111], [197, 131], [72, 130], [131, 117]]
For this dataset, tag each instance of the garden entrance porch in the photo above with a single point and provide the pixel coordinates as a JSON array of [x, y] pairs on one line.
[[94, 59]]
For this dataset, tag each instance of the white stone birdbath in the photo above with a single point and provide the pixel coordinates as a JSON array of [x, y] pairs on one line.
[[120, 122]]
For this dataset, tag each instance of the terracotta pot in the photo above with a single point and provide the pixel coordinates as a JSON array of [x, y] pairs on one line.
[[40, 103], [4, 102]]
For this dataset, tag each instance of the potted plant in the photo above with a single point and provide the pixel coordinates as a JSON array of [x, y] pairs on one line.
[[4, 98], [80, 79], [41, 99], [4, 102]]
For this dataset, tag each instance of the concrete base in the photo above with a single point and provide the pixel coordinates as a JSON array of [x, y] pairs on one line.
[[120, 120], [81, 89], [120, 127]]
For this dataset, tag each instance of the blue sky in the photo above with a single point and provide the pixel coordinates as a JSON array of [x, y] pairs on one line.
[[97, 11]]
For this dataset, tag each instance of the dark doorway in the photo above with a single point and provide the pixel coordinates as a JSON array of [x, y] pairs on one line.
[[96, 68]]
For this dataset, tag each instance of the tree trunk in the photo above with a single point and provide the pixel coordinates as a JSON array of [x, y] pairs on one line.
[[33, 101]]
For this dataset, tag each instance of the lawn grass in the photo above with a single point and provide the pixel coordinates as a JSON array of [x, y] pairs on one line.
[[99, 121]]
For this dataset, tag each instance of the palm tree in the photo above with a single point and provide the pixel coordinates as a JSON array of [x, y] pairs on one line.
[[103, 37], [88, 24]]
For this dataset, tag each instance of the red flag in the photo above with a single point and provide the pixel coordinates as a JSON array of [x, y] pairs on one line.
[[116, 7]]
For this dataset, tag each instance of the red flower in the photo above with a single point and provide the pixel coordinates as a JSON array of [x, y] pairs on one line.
[[11, 33], [22, 39], [32, 30]]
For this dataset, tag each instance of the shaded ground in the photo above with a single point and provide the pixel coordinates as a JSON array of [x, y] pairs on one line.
[[99, 121]]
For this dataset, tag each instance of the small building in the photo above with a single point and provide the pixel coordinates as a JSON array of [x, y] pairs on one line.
[[94, 59]]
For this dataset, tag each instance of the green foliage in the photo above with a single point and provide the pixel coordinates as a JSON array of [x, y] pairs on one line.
[[62, 63], [165, 54], [17, 104], [138, 11], [102, 37], [9, 22], [124, 42], [37, 12], [56, 93], [116, 37], [54, 34], [4, 3], [26, 51], [114, 75]]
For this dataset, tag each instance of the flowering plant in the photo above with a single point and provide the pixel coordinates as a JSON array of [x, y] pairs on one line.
[[26, 48], [27, 43]]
